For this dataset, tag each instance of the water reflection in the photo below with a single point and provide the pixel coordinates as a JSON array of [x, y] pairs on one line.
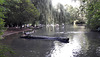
[[78, 43], [81, 43]]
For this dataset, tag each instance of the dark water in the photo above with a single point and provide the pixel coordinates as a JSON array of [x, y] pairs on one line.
[[82, 43]]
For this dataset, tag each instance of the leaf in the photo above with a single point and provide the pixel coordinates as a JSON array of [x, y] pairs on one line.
[[2, 1]]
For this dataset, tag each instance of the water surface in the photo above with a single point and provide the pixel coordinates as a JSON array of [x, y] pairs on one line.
[[82, 43]]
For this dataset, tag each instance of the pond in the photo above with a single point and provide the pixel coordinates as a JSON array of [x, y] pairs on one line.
[[82, 43]]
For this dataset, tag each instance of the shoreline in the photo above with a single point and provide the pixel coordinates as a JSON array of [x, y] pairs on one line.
[[11, 31]]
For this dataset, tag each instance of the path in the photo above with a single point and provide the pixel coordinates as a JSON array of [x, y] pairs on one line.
[[11, 31]]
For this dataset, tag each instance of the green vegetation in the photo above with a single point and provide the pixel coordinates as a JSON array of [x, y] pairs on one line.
[[15, 13], [2, 11], [92, 11], [1, 26], [73, 13], [20, 12], [4, 50]]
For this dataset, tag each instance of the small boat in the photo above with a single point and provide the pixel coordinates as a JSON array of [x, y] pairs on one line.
[[61, 39]]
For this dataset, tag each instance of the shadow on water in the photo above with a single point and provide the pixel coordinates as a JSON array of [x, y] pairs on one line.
[[82, 43]]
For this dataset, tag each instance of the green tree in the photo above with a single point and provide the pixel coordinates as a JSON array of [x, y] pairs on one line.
[[2, 11], [92, 13], [20, 12], [73, 13], [3, 48]]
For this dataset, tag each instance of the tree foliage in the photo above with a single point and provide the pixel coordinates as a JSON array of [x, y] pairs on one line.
[[73, 13], [20, 12], [2, 12], [3, 48], [92, 13]]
